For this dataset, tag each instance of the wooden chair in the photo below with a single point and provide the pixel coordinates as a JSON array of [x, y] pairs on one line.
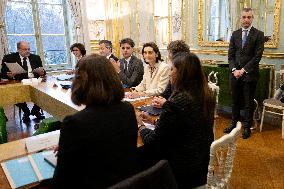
[[158, 176], [274, 106], [222, 152]]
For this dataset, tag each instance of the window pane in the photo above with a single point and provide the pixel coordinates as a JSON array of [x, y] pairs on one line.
[[54, 49], [51, 16], [20, 0], [13, 40], [50, 1], [19, 18]]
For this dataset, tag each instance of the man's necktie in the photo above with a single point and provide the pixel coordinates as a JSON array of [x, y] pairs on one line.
[[125, 65], [25, 64], [244, 37]]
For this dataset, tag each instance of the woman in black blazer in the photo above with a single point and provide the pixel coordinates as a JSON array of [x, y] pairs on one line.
[[184, 132], [97, 146]]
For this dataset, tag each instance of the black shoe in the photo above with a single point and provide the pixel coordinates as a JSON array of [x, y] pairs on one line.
[[230, 127], [246, 133], [26, 118], [38, 115]]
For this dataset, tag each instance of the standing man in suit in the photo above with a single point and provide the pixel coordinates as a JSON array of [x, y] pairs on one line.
[[33, 65], [245, 52], [130, 68], [105, 49]]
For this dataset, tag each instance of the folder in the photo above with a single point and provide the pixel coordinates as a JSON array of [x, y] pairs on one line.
[[27, 170]]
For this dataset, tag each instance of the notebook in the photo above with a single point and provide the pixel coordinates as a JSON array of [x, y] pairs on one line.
[[27, 170], [151, 110]]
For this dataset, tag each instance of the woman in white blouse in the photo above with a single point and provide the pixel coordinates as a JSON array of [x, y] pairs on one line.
[[156, 73]]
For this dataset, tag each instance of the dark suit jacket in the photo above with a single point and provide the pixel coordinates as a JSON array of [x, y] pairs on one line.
[[113, 57], [249, 56], [134, 74], [97, 147], [35, 62]]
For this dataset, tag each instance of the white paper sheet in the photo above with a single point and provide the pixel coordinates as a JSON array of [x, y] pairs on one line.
[[15, 68]]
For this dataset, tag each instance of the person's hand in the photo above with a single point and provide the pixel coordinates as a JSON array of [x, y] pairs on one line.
[[39, 71], [237, 74], [158, 102], [70, 72], [11, 75], [145, 117], [115, 64], [135, 94], [55, 150]]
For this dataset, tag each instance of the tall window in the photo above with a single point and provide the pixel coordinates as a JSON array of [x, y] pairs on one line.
[[43, 23]]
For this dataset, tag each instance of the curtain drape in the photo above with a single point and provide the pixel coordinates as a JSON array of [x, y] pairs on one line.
[[3, 34], [75, 7]]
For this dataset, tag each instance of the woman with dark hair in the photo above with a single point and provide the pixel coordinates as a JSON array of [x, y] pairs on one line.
[[173, 48], [156, 73], [78, 49], [98, 145], [184, 132]]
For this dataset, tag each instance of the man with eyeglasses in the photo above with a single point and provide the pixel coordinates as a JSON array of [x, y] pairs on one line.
[[105, 49], [130, 68], [32, 64], [245, 52]]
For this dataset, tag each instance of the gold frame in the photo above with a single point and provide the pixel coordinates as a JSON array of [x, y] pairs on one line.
[[273, 43]]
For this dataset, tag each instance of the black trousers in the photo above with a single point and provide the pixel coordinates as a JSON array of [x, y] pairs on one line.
[[243, 98], [26, 110]]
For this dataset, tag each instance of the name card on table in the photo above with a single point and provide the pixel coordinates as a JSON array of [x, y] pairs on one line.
[[42, 141]]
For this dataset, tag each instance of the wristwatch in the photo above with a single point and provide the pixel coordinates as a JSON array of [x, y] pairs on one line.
[[233, 69]]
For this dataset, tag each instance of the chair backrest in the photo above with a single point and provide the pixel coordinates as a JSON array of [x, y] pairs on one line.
[[159, 176], [222, 152]]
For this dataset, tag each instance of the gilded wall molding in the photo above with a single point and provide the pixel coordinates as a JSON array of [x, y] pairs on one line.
[[272, 43], [279, 55]]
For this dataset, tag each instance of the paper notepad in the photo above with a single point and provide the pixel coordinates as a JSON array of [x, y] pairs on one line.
[[15, 68], [27, 170]]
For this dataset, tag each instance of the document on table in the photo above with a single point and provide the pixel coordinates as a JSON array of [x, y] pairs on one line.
[[15, 68]]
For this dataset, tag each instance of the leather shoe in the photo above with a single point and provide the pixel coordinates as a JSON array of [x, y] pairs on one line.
[[26, 118], [38, 115], [246, 133], [230, 127]]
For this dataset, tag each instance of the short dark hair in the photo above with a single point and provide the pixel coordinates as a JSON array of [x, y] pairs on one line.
[[96, 82], [155, 48], [81, 48], [177, 46], [107, 43], [191, 78], [128, 41], [246, 9]]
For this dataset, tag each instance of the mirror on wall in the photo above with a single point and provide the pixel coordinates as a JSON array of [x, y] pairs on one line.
[[219, 18]]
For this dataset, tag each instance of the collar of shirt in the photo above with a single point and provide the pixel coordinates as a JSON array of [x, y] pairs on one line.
[[108, 56], [248, 29], [23, 58], [128, 59]]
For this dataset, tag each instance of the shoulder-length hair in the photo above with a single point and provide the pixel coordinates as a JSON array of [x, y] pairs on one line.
[[155, 49], [81, 48], [96, 82], [191, 78]]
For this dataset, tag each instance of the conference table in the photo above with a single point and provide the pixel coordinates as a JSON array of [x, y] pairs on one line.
[[52, 98]]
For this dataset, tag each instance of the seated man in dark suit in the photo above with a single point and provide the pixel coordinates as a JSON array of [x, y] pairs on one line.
[[130, 68], [32, 64], [105, 49]]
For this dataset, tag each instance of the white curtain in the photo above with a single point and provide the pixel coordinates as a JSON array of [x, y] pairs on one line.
[[75, 6], [3, 35]]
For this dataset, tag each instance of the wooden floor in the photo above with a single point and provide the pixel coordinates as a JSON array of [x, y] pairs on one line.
[[259, 161]]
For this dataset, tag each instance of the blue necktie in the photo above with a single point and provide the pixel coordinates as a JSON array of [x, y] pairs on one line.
[[244, 38]]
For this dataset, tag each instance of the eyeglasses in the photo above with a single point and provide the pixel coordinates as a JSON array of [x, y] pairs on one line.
[[75, 50]]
